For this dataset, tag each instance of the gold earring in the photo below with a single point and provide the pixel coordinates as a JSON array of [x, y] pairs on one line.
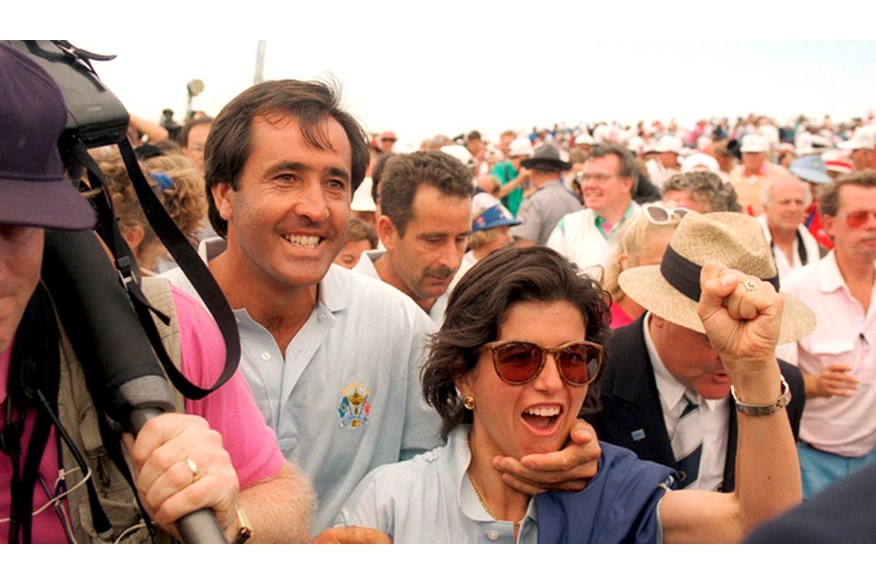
[[468, 402]]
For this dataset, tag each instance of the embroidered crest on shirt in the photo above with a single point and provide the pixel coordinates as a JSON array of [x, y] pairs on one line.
[[354, 406]]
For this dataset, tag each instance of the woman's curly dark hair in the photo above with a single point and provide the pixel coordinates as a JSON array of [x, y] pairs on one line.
[[479, 305]]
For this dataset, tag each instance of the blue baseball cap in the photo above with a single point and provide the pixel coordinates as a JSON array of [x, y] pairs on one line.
[[810, 168], [495, 216]]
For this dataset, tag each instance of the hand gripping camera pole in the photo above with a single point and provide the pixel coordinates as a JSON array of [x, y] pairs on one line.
[[112, 347]]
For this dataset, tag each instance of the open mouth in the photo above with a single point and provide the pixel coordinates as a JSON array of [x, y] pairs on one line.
[[542, 417], [305, 241]]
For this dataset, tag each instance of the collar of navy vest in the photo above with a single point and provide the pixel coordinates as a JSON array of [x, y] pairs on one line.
[[684, 275]]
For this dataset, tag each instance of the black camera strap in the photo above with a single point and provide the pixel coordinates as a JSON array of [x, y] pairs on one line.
[[181, 250], [198, 274]]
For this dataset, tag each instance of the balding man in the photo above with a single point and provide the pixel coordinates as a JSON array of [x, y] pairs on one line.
[[785, 201]]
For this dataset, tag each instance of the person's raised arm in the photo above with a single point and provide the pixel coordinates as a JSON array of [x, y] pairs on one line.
[[742, 318]]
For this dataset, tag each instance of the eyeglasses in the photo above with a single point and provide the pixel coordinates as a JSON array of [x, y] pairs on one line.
[[660, 215], [519, 362], [598, 177], [857, 218]]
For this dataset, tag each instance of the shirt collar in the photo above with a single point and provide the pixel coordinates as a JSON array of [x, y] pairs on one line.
[[602, 222], [331, 291], [762, 171], [670, 389], [459, 452], [830, 279]]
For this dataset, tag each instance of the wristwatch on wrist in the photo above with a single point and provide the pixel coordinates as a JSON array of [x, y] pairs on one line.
[[244, 531], [763, 409]]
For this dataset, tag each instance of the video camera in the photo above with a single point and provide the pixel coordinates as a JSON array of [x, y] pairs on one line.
[[94, 114]]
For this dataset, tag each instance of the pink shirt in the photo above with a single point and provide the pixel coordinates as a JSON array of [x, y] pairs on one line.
[[843, 334], [619, 318], [231, 409]]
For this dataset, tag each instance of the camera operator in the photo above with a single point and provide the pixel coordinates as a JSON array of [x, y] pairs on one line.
[[219, 455]]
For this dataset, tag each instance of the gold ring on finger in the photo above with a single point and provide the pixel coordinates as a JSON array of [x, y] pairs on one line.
[[749, 285], [192, 467]]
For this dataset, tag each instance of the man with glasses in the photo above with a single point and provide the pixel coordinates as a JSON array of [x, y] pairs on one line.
[[838, 433], [387, 142], [665, 394], [587, 236]]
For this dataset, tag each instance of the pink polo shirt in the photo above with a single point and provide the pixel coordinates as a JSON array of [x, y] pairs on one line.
[[843, 334], [231, 410]]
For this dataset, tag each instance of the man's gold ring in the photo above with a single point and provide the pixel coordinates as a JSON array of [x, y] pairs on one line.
[[192, 467], [749, 285]]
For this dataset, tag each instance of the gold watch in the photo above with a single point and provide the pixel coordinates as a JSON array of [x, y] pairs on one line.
[[244, 531]]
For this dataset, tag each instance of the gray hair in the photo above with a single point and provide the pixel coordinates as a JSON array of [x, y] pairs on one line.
[[766, 194]]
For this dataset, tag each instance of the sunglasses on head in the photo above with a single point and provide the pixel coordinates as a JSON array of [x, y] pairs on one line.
[[857, 218], [660, 215], [519, 362]]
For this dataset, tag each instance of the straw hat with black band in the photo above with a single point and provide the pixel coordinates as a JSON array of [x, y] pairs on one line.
[[672, 289]]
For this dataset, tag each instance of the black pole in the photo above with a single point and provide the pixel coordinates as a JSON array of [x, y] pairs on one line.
[[112, 347]]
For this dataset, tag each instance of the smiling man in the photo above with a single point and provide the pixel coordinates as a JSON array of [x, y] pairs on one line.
[[666, 394], [608, 180], [425, 202], [282, 161]]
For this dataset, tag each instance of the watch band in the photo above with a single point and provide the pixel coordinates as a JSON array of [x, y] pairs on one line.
[[244, 531], [763, 409]]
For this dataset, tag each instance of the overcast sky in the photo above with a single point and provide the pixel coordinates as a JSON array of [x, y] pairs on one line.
[[423, 68]]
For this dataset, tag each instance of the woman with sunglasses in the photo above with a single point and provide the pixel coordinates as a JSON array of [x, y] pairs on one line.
[[642, 243], [510, 370]]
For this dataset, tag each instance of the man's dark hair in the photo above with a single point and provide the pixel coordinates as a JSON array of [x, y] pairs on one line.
[[405, 173], [311, 102], [625, 157], [377, 174], [828, 195], [183, 137], [478, 306]]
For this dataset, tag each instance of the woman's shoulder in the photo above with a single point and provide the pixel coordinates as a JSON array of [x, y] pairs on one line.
[[397, 490]]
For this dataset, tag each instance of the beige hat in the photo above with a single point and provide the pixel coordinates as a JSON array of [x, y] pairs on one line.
[[734, 239]]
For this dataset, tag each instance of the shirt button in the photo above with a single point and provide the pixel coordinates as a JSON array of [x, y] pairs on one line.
[[321, 317], [266, 356], [493, 535]]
